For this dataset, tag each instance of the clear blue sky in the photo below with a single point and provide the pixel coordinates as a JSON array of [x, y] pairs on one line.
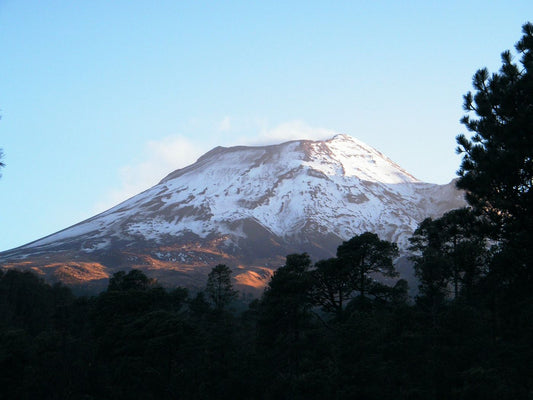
[[101, 99]]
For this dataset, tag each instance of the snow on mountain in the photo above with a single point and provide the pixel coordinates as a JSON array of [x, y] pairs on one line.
[[250, 206]]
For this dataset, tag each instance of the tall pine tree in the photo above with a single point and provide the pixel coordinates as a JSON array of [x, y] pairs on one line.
[[497, 166]]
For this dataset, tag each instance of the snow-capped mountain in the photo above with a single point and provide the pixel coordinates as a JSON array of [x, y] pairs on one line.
[[246, 207]]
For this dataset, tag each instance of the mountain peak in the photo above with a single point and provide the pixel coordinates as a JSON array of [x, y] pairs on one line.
[[342, 136], [358, 159], [247, 207], [341, 154]]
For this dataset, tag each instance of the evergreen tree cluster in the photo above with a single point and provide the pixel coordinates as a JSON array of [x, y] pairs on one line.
[[323, 330], [328, 329]]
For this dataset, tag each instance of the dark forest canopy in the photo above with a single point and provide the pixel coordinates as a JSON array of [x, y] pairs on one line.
[[313, 334]]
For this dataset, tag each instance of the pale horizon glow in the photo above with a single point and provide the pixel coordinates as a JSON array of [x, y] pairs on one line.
[[101, 100]]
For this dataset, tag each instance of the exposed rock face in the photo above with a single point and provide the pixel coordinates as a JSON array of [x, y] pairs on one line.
[[246, 207]]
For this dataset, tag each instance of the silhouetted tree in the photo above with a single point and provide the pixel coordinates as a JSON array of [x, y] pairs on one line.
[[332, 286], [286, 299], [449, 251], [26, 301], [284, 319], [365, 255], [219, 288], [133, 280], [198, 305], [497, 166], [497, 174]]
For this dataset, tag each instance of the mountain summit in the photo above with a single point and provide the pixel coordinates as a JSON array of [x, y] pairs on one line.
[[246, 207]]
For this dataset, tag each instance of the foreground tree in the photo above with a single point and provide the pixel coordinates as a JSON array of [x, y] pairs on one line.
[[497, 174], [365, 255], [332, 287], [219, 288], [448, 252], [286, 302], [284, 321], [133, 280], [497, 166]]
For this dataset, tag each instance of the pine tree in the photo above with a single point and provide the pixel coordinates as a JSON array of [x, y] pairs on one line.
[[364, 255], [497, 166], [133, 280], [286, 301], [448, 251], [219, 288], [332, 287]]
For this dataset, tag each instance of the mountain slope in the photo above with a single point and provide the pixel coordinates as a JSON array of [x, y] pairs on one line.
[[246, 207]]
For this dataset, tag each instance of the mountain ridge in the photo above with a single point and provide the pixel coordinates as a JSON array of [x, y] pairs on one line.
[[248, 206]]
